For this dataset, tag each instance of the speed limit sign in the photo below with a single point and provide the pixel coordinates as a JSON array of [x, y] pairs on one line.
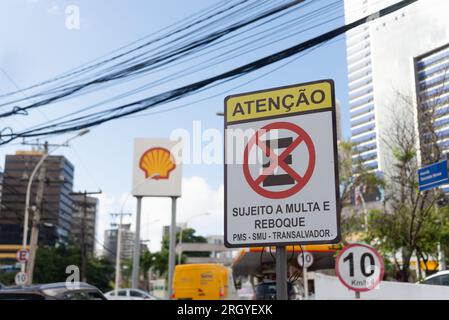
[[305, 259], [359, 267], [21, 278]]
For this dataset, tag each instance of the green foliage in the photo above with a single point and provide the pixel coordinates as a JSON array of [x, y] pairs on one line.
[[100, 273], [51, 264], [7, 278]]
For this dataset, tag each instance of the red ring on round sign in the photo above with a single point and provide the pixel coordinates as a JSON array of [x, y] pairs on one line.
[[372, 250], [301, 181]]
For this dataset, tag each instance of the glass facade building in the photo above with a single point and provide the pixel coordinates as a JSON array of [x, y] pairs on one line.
[[432, 93], [56, 207]]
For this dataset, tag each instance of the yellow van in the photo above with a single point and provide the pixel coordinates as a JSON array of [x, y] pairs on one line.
[[208, 281]]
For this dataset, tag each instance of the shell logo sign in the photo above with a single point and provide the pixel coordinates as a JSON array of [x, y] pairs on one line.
[[157, 163], [157, 168]]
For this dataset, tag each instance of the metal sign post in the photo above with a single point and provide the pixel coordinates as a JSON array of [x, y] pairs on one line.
[[281, 274], [305, 259], [136, 252], [172, 253]]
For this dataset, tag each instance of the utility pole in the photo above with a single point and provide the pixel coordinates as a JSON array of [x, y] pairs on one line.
[[83, 232], [118, 250], [37, 217], [39, 197]]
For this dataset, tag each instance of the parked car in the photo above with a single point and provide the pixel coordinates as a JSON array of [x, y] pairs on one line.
[[129, 294], [440, 279], [52, 291], [266, 290]]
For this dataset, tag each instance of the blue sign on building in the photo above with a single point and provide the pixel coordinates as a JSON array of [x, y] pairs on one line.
[[433, 175]]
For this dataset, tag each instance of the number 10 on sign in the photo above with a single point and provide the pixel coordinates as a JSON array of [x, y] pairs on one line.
[[359, 267]]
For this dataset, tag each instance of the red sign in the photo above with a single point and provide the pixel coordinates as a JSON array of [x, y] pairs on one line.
[[22, 255], [279, 160]]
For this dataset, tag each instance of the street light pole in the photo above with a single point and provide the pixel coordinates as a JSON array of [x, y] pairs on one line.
[[118, 252], [28, 192], [182, 229]]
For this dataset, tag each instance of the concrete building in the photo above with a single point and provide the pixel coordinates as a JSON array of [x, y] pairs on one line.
[[110, 243], [166, 229], [386, 58], [56, 207], [84, 220]]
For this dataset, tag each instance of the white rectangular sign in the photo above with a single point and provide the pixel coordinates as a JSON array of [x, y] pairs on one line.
[[281, 175], [157, 170]]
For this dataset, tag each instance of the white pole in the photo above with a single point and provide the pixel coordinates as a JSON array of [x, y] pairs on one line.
[[118, 255], [136, 252], [306, 281], [171, 252], [27, 205]]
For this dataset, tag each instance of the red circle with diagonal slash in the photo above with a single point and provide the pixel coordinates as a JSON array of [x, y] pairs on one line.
[[278, 160]]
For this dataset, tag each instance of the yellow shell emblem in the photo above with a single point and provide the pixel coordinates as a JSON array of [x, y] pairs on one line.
[[157, 163]]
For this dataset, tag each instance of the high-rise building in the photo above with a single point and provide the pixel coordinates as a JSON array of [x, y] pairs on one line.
[[84, 221], [56, 206], [127, 243], [382, 63], [432, 91]]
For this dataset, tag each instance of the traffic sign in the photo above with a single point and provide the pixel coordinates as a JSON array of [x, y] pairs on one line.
[[22, 255], [21, 278], [281, 175], [359, 267], [305, 259], [433, 175]]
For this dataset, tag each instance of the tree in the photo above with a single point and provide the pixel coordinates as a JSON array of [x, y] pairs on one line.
[[353, 175], [407, 226], [52, 262]]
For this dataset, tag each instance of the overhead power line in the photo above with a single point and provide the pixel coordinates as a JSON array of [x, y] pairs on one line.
[[144, 104], [138, 65]]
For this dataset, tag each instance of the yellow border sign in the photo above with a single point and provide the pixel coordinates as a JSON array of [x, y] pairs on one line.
[[280, 102]]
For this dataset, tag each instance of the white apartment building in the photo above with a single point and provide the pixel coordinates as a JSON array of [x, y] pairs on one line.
[[402, 53]]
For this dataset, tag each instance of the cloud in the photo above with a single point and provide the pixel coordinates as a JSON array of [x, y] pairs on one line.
[[54, 9], [198, 197]]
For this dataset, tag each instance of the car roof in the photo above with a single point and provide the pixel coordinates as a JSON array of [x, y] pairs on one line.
[[38, 288], [439, 273], [123, 289]]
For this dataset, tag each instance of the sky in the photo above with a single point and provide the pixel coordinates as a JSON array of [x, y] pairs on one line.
[[37, 45]]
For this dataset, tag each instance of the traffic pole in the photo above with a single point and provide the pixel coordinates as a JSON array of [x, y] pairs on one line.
[[136, 252], [305, 280], [281, 273], [172, 253]]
